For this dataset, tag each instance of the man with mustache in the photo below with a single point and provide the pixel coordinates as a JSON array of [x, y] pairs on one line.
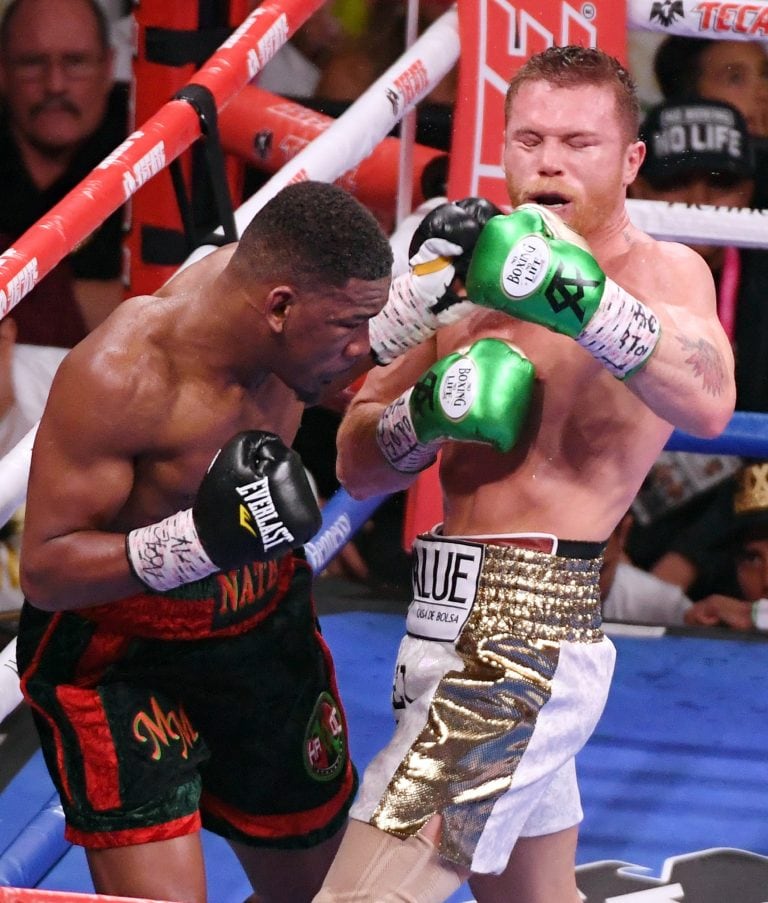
[[62, 114]]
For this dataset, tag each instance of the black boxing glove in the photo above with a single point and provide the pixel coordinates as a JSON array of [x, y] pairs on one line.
[[481, 210], [422, 300], [254, 504]]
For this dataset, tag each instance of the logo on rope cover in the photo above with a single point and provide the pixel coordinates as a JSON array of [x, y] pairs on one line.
[[667, 12], [325, 744], [24, 281]]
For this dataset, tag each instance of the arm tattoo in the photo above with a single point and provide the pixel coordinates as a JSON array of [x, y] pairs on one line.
[[706, 362]]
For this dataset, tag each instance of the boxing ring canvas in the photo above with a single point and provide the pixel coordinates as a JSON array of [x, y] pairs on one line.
[[674, 780]]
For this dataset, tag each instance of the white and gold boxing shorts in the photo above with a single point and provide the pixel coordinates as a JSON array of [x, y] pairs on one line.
[[499, 682]]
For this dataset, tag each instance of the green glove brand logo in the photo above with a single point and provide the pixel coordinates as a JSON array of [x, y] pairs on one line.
[[525, 267], [567, 292], [457, 389]]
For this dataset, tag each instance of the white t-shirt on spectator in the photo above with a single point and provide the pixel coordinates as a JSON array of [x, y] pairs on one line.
[[33, 370], [636, 595]]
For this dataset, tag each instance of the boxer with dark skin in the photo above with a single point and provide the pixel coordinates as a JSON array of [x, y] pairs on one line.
[[240, 341], [436, 806], [168, 644]]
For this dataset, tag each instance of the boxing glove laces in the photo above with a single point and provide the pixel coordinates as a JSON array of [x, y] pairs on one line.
[[254, 503], [531, 265], [481, 394], [422, 300]]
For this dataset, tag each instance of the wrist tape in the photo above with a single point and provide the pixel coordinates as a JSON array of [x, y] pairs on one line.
[[168, 553], [396, 437], [760, 614], [405, 321], [410, 316], [622, 333]]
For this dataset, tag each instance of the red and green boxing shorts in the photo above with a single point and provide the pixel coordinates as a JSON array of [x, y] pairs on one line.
[[212, 705]]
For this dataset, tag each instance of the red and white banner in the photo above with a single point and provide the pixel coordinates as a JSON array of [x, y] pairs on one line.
[[736, 21]]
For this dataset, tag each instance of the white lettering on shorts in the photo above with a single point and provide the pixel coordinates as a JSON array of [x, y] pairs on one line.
[[445, 580]]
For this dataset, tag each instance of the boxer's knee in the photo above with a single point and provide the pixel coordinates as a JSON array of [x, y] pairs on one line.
[[375, 867]]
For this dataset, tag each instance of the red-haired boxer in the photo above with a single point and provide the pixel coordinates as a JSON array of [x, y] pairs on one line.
[[504, 670]]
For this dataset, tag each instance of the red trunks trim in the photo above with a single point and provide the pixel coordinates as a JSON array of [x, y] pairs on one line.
[[88, 720], [290, 824], [104, 840], [29, 676]]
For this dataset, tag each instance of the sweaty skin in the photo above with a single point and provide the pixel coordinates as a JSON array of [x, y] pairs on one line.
[[590, 439], [157, 396]]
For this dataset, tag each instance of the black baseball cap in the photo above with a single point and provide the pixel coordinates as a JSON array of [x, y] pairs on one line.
[[695, 135]]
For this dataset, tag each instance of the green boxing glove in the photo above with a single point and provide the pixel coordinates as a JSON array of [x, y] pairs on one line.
[[532, 266], [478, 395]]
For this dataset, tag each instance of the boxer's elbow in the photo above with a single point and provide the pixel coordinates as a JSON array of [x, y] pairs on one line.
[[715, 415], [353, 478], [38, 584], [363, 479], [36, 593]]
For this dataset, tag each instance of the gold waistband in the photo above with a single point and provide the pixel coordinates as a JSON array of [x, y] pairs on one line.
[[527, 593]]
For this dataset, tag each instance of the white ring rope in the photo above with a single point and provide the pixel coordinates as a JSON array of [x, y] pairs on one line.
[[354, 135], [740, 227]]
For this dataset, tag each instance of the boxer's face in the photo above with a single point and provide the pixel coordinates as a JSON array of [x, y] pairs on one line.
[[326, 336], [567, 148]]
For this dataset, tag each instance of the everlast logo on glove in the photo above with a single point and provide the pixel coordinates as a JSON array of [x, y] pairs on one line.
[[260, 507]]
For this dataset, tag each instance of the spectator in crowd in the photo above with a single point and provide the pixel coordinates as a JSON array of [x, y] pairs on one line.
[[365, 57], [61, 115], [629, 593], [700, 152], [748, 541], [296, 68], [732, 71], [735, 72]]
